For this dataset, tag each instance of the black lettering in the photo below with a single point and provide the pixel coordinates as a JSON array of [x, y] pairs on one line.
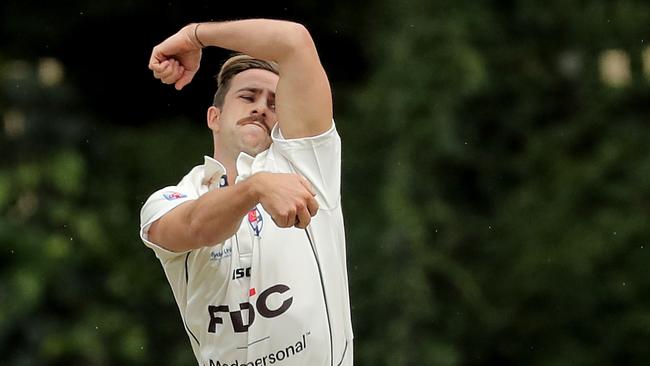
[[241, 272], [214, 319], [293, 351], [238, 322], [281, 352], [300, 345], [263, 308]]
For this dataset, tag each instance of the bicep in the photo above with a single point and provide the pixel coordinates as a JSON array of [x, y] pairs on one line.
[[303, 95]]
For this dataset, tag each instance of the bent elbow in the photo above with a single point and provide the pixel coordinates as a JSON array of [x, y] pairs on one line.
[[300, 35], [296, 37]]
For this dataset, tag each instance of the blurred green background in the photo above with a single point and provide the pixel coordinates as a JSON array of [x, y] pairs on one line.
[[496, 179]]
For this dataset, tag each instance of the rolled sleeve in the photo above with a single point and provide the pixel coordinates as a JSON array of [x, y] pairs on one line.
[[159, 204]]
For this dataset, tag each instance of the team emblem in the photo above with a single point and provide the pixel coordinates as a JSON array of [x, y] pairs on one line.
[[255, 220], [170, 196]]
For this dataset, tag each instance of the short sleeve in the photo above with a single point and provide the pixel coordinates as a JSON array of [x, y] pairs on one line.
[[158, 204], [317, 158]]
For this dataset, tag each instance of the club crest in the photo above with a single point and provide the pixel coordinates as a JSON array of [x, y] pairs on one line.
[[255, 220]]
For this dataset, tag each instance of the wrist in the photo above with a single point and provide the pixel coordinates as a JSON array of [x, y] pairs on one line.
[[192, 32], [255, 183]]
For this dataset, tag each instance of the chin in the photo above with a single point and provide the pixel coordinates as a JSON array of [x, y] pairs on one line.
[[256, 149]]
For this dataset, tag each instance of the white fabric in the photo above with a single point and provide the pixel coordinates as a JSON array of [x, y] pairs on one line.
[[268, 295]]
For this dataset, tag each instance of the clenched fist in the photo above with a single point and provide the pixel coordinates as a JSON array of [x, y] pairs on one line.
[[288, 198], [176, 59]]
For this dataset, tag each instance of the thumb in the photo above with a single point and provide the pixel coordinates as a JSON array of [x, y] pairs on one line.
[[185, 79]]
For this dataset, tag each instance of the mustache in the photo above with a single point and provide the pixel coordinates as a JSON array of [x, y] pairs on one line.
[[254, 118]]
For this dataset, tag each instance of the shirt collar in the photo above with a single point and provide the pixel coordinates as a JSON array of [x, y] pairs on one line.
[[248, 165], [212, 172]]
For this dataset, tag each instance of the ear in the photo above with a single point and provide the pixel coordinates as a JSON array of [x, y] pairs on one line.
[[213, 118]]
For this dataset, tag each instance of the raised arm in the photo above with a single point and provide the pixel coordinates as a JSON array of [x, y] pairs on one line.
[[303, 96]]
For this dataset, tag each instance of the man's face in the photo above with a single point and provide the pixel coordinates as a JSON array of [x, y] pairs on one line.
[[248, 114]]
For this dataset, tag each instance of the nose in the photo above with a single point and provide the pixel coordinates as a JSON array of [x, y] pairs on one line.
[[261, 107]]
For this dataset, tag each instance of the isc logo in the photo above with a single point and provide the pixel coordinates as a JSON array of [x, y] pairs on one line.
[[241, 272], [261, 305]]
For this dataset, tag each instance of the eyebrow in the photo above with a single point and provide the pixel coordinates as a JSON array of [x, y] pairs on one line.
[[253, 90]]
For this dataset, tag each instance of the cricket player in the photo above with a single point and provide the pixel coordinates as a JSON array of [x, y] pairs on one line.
[[252, 240]]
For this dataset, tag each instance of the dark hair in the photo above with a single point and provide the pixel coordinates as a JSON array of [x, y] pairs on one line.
[[234, 66]]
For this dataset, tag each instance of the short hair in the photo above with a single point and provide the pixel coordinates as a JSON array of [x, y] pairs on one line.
[[233, 66]]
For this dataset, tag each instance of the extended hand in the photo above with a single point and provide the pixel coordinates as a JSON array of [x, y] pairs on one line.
[[288, 198], [176, 60]]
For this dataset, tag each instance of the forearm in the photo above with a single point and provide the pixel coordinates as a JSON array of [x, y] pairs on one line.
[[261, 38], [216, 216]]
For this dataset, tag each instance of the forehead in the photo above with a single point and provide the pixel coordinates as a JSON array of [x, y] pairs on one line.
[[254, 79]]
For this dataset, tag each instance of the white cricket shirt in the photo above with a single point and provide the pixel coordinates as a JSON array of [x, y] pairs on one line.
[[268, 295]]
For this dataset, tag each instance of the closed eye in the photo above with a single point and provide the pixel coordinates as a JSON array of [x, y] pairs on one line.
[[247, 98]]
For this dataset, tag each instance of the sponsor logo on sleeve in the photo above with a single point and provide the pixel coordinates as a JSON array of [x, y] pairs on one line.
[[170, 196]]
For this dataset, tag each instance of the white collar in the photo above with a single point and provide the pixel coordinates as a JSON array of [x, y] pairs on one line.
[[247, 165], [212, 172]]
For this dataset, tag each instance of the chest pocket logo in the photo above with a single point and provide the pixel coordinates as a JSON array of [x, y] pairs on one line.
[[255, 221]]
